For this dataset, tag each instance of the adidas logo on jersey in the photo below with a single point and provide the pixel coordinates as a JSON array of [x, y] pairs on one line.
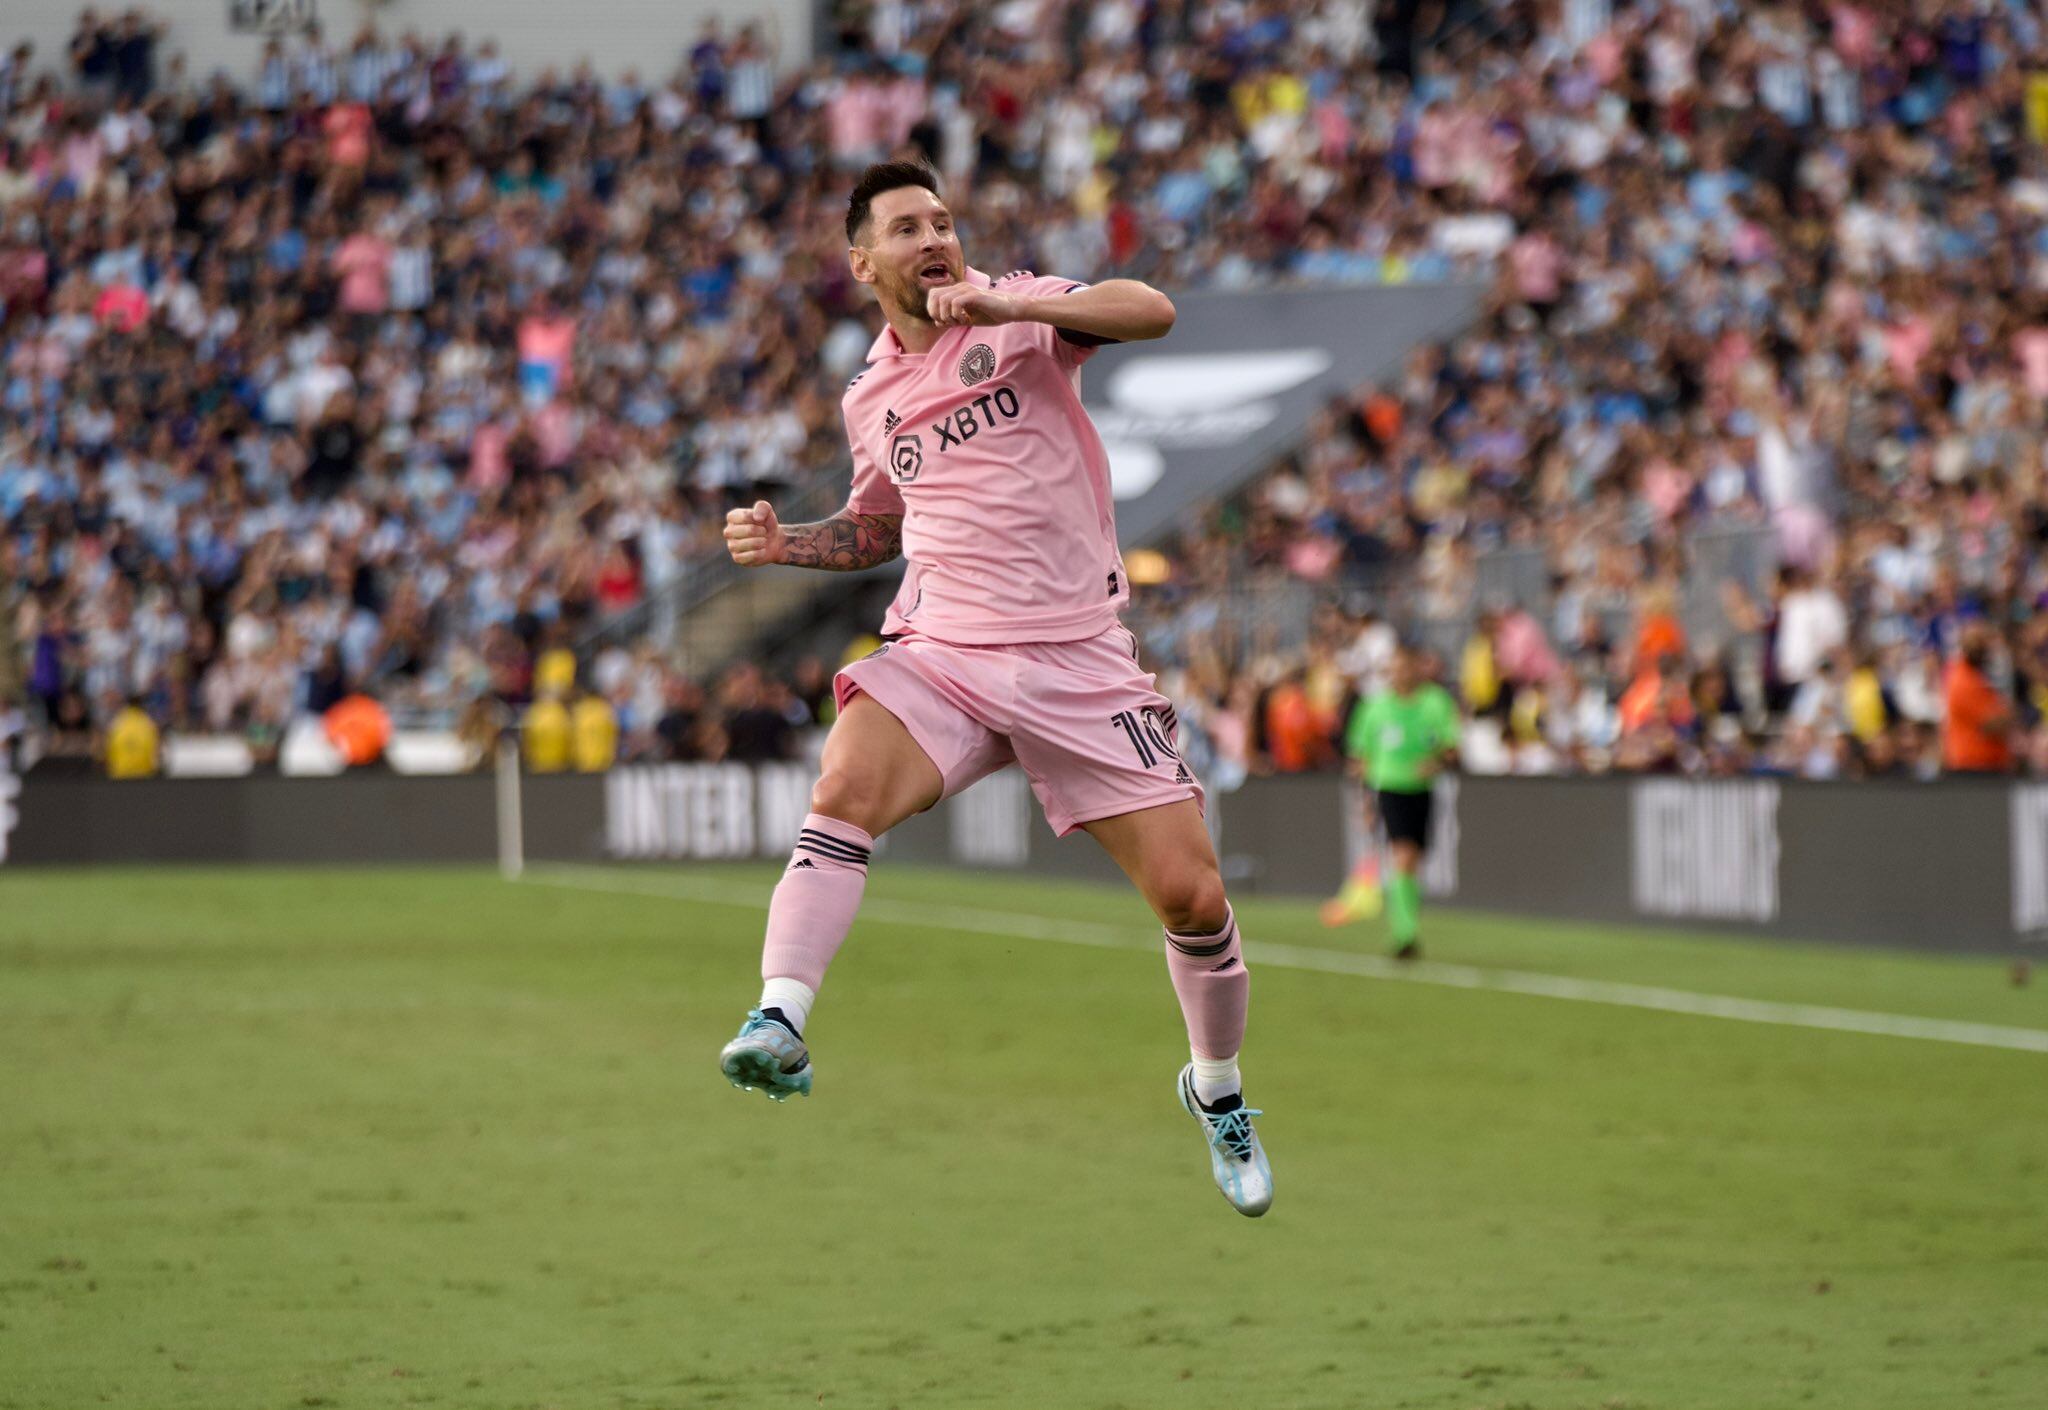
[[890, 422], [803, 864]]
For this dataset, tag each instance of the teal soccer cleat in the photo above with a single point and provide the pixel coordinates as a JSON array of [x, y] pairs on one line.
[[767, 1055], [1236, 1158]]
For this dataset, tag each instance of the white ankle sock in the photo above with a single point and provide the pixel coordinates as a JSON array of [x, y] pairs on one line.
[[792, 996], [1216, 1078]]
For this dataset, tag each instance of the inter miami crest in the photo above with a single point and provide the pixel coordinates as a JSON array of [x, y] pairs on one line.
[[978, 365]]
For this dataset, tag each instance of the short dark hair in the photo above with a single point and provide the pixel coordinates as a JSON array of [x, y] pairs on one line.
[[878, 179]]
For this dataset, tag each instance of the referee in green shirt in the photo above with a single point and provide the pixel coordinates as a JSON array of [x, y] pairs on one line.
[[1399, 740]]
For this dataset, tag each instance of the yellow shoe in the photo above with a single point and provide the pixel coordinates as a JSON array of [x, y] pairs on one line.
[[1365, 898], [1361, 899]]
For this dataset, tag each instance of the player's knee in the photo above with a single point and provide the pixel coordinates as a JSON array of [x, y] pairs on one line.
[[1193, 903], [838, 793]]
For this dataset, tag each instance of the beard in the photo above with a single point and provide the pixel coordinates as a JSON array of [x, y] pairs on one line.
[[906, 296], [909, 296], [915, 300]]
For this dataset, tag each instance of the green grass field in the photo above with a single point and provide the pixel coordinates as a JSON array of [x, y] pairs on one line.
[[402, 1138]]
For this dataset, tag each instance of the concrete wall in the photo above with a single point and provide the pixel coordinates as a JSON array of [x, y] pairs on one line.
[[651, 35]]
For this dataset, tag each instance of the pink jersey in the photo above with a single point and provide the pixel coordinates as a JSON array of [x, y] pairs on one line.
[[982, 446]]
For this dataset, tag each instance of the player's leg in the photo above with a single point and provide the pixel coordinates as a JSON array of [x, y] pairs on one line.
[[1099, 742], [1166, 852], [1404, 899], [873, 775], [905, 737], [1407, 817]]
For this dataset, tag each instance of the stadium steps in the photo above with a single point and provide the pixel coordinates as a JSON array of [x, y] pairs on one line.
[[749, 610], [715, 612]]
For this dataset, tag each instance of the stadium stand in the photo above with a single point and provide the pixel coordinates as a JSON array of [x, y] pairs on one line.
[[381, 369]]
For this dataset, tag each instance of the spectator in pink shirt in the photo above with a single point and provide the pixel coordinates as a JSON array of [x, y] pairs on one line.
[[1906, 343], [83, 153], [2030, 349], [854, 120], [1521, 650], [122, 306], [1538, 267], [1855, 33], [490, 461], [349, 128], [547, 342], [364, 264]]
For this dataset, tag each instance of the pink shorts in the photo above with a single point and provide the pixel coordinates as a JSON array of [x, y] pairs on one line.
[[1081, 717]]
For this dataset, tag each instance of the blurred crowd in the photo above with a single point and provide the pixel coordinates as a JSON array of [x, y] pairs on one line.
[[366, 371], [378, 370], [1742, 470], [356, 371], [628, 705], [1644, 703]]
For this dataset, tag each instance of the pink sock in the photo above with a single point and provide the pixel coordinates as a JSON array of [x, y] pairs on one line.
[[1214, 987], [814, 903]]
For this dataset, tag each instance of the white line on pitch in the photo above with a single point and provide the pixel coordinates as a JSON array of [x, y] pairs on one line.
[[1450, 976]]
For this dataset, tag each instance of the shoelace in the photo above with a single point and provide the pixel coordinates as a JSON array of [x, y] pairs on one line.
[[757, 1024], [1233, 1128]]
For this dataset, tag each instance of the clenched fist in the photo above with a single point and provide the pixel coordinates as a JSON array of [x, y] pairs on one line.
[[753, 537], [971, 306]]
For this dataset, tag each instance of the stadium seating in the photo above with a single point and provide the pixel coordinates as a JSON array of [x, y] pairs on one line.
[[380, 368]]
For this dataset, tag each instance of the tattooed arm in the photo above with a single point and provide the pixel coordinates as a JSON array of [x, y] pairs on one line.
[[845, 541], [842, 543]]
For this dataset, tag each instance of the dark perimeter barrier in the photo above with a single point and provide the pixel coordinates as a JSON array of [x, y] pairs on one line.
[[1957, 865]]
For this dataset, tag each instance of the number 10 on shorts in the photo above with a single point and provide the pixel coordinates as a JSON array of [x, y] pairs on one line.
[[1147, 735]]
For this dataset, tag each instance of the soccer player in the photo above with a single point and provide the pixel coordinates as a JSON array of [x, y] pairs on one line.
[[973, 458], [1400, 739]]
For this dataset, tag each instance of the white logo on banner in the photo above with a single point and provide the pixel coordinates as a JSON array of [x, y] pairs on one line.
[[783, 802], [1440, 862], [10, 789], [680, 810], [1705, 849], [2030, 858], [705, 811], [1192, 399], [989, 824]]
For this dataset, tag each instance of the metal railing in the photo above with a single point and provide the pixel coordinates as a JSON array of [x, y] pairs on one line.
[[1461, 35], [663, 616], [1267, 611]]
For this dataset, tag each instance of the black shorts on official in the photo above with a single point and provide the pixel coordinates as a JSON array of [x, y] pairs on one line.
[[1406, 816]]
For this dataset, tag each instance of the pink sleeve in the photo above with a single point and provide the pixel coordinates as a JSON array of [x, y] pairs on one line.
[[873, 492], [1072, 349]]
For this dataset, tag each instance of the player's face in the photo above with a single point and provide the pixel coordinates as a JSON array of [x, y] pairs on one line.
[[912, 249]]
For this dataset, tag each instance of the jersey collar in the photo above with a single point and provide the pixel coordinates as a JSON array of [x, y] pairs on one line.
[[889, 345]]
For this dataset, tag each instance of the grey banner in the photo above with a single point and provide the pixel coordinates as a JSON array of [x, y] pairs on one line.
[[1959, 866], [1925, 865], [360, 817], [1195, 416]]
